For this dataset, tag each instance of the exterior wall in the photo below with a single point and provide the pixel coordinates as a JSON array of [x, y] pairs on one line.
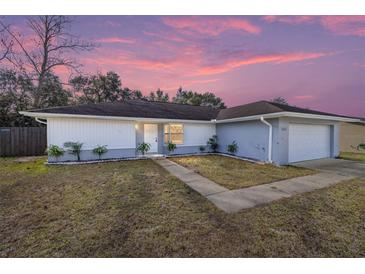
[[185, 150], [195, 135], [351, 135], [122, 137], [252, 138], [118, 136], [281, 141]]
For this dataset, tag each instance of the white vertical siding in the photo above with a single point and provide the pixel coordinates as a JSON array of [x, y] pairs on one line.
[[197, 134], [91, 132]]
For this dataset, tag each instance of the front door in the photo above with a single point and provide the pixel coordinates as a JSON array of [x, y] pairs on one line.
[[150, 136]]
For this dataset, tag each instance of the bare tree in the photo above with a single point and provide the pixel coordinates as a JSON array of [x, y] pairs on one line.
[[51, 46], [6, 44]]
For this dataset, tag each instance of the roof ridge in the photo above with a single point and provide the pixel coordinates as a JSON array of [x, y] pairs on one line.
[[120, 102], [171, 103]]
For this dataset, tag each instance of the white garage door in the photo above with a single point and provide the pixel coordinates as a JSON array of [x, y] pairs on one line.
[[308, 142]]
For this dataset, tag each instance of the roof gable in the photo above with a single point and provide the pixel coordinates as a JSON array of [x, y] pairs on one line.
[[266, 107]]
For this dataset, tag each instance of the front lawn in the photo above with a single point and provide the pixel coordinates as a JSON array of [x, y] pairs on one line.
[[136, 209], [353, 156], [234, 173]]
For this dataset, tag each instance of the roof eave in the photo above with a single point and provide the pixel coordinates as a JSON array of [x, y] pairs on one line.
[[43, 115], [289, 114], [162, 120]]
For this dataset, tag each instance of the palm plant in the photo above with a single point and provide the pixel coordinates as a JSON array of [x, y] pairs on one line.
[[144, 148], [74, 148], [55, 151], [171, 147], [100, 150], [232, 148], [213, 143]]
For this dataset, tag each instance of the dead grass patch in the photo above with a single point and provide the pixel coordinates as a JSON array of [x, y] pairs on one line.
[[234, 173], [136, 209]]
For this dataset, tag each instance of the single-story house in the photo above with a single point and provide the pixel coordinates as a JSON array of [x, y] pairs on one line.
[[351, 135], [263, 130]]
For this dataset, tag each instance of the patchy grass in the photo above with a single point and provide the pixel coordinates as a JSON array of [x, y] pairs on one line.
[[234, 173], [136, 209], [353, 156]]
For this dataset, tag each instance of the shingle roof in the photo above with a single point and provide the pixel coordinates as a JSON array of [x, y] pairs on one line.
[[138, 108], [266, 107], [146, 109]]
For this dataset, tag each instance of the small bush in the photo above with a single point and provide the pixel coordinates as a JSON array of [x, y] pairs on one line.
[[74, 148], [202, 149], [171, 147], [232, 148], [100, 150], [213, 143], [55, 151], [144, 148]]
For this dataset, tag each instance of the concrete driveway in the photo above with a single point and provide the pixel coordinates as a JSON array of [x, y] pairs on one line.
[[338, 166]]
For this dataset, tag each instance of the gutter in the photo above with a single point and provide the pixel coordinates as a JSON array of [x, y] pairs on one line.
[[214, 121], [130, 119], [289, 114], [270, 138], [40, 121]]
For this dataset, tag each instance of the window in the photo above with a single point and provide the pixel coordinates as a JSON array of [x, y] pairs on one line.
[[174, 133]]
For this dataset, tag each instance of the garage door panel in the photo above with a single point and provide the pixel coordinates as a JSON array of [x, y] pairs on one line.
[[308, 142]]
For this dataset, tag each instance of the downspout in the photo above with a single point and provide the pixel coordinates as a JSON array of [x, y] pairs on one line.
[[270, 138], [40, 121]]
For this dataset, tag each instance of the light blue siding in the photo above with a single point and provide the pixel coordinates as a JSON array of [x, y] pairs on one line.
[[251, 136], [281, 154], [88, 155], [180, 150]]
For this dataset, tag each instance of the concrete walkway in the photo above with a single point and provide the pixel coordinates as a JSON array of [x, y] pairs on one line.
[[234, 200]]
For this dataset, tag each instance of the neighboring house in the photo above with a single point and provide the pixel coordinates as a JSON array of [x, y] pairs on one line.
[[351, 135], [263, 130]]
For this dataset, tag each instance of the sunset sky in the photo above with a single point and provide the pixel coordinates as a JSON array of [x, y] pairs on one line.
[[312, 61]]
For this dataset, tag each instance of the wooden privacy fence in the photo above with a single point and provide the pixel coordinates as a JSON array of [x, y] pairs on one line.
[[23, 141]]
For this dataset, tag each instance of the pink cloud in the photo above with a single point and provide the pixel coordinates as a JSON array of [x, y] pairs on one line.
[[211, 26], [114, 40], [165, 36], [137, 63], [344, 25], [304, 97], [359, 65], [63, 70], [338, 25], [292, 20], [261, 59]]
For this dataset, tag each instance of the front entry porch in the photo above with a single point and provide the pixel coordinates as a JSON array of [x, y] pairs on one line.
[[152, 134], [189, 138]]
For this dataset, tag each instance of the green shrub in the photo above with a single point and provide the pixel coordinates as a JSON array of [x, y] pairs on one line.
[[144, 148], [100, 150], [232, 148], [74, 148], [202, 149], [213, 143], [171, 146], [55, 151]]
